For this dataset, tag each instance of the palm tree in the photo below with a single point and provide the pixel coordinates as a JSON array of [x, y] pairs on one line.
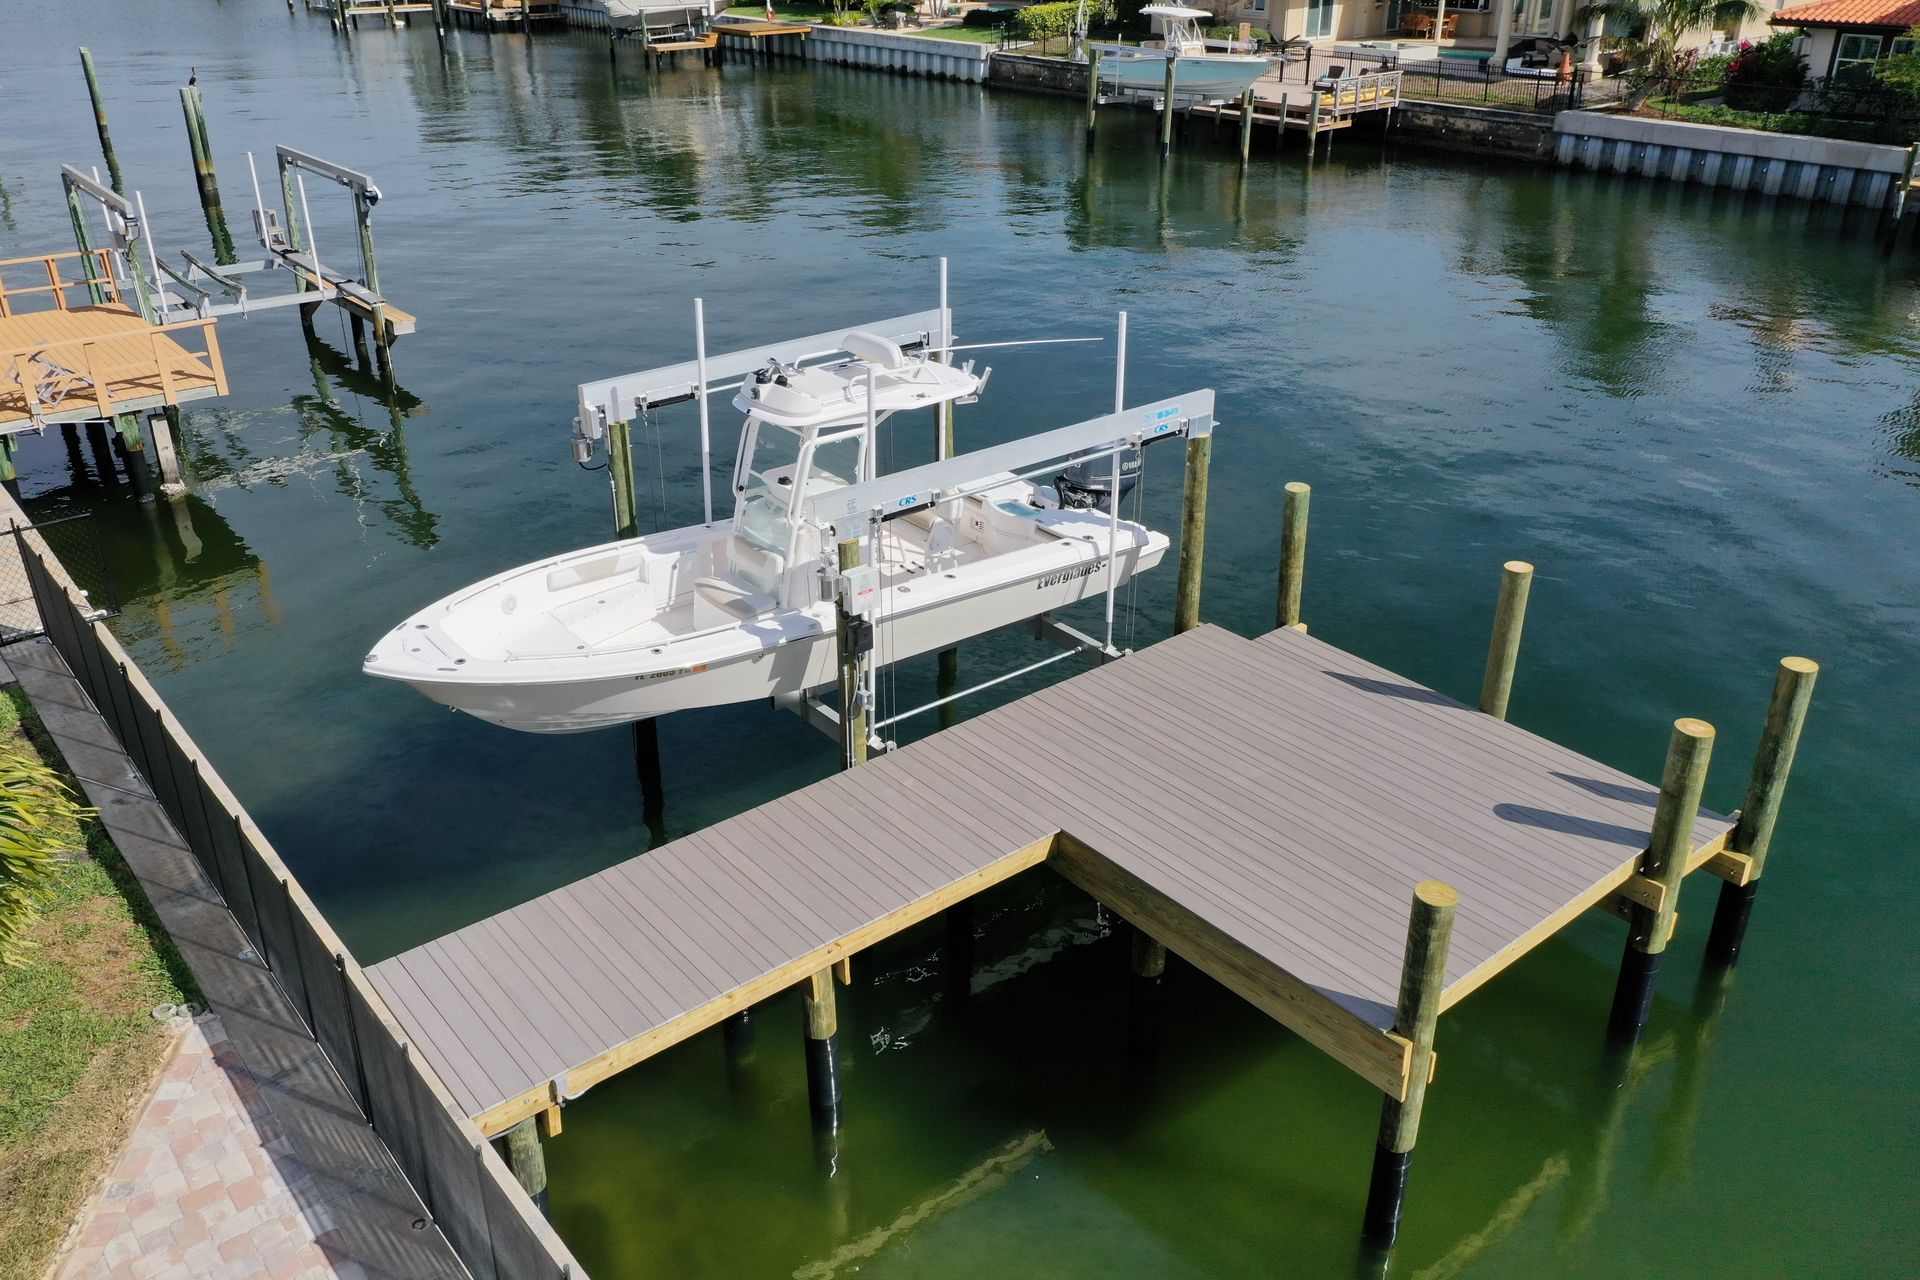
[[1655, 30]]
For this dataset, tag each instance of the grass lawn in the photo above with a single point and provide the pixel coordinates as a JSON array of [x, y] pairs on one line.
[[783, 12], [967, 35], [78, 1047]]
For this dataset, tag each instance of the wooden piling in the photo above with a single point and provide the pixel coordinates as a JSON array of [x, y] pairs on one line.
[[100, 122], [132, 445], [1193, 533], [164, 452], [852, 637], [1649, 929], [201, 146], [1166, 112], [626, 515], [823, 1066], [1509, 615], [1148, 960], [957, 956], [946, 684], [1422, 980], [1766, 788], [9, 474], [1093, 94], [1246, 127], [1293, 553], [527, 1161]]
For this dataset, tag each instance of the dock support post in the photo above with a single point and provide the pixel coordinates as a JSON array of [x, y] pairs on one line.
[[296, 240], [958, 952], [1093, 93], [9, 476], [1293, 553], [823, 1058], [853, 637], [202, 147], [133, 452], [1422, 980], [1766, 788], [527, 1161], [626, 517], [1166, 113], [171, 485], [946, 684], [100, 444], [100, 122], [1246, 127], [1149, 963], [1516, 581], [737, 1033], [1193, 532], [1665, 862], [646, 768]]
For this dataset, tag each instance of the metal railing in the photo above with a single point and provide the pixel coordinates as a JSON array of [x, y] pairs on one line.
[[491, 1223]]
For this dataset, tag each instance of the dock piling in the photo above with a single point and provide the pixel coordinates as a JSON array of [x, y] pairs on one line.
[[171, 485], [823, 1058], [1649, 929], [1193, 531], [9, 475], [1516, 581], [132, 446], [1149, 963], [957, 955], [1246, 127], [1093, 93], [1422, 980], [1293, 553], [201, 146], [100, 122], [1166, 112], [737, 1033], [1766, 788], [527, 1161]]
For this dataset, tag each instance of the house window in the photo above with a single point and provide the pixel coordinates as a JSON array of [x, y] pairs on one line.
[[1855, 54], [1319, 17], [1259, 6], [1902, 45]]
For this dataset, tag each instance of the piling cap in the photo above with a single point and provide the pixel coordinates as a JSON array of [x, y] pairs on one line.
[[1299, 486], [1693, 728], [1518, 566], [1437, 893], [1800, 666]]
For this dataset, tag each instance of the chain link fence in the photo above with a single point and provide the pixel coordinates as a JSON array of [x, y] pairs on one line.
[[75, 541]]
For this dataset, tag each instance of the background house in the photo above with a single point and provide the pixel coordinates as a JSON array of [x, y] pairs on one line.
[[1851, 34]]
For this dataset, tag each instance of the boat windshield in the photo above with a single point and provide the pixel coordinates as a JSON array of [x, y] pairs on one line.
[[766, 503]]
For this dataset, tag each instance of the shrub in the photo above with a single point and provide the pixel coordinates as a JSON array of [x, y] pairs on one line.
[[1231, 31], [37, 815], [1041, 21], [988, 17], [1766, 76]]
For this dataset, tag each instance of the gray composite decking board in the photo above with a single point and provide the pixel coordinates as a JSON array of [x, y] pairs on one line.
[[1284, 792]]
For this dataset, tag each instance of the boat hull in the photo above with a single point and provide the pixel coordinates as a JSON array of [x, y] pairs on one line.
[[1203, 75], [799, 664]]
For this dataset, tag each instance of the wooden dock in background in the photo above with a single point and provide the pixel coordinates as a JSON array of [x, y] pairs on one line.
[[1263, 807]]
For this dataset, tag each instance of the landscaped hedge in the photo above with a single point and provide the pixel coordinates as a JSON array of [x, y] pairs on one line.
[[988, 17], [1040, 21]]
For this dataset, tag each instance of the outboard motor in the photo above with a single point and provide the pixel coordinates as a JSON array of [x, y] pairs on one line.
[[1084, 484]]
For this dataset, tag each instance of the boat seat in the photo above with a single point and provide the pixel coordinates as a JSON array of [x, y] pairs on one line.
[[719, 602]]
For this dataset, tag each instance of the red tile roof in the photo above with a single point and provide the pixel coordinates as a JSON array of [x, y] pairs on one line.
[[1851, 13]]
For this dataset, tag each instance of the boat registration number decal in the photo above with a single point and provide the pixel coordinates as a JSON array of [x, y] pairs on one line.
[[1065, 576], [668, 675]]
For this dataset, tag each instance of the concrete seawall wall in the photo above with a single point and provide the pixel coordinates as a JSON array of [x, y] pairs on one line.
[[1511, 135], [907, 55], [1823, 169]]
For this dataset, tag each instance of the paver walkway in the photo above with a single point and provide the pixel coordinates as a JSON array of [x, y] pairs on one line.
[[208, 1187]]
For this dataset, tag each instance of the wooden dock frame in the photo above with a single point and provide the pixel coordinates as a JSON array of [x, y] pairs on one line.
[[1314, 110], [1190, 850]]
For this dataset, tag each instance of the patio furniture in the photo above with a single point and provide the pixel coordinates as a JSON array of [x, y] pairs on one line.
[[1416, 24]]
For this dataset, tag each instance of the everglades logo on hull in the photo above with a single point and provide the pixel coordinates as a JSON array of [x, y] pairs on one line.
[[1065, 576]]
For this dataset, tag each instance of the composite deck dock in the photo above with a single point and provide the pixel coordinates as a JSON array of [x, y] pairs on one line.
[[1264, 807]]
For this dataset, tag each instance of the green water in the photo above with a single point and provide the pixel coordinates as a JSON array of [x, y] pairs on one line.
[[1696, 414]]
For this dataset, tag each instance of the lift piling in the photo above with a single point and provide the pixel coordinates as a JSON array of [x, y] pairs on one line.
[[1503, 653]]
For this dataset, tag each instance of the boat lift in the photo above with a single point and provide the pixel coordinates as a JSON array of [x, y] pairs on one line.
[[607, 408], [204, 291]]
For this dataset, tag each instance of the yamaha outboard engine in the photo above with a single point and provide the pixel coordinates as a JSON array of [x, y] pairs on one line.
[[1084, 484]]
